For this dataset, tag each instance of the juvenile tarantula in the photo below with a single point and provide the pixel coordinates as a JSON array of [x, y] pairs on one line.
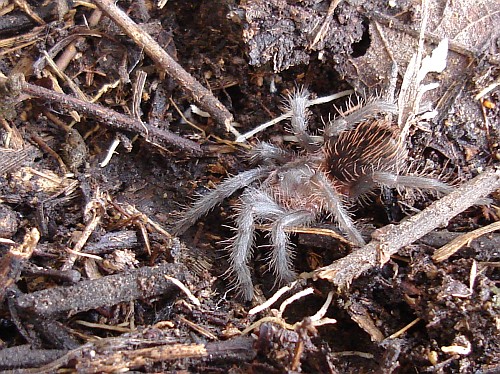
[[360, 152]]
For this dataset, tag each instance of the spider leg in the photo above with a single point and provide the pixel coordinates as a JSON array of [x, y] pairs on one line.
[[298, 102], [255, 206], [282, 256], [411, 181], [203, 205], [332, 203], [269, 154], [367, 111]]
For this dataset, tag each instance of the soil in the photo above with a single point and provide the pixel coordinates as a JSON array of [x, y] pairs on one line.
[[92, 279]]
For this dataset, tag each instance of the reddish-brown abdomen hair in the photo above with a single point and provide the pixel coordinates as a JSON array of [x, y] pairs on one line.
[[356, 153]]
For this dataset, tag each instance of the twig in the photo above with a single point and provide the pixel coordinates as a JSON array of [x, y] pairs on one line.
[[323, 30], [26, 8], [63, 76], [69, 276], [271, 300], [102, 326], [131, 211], [97, 208], [322, 312], [400, 332], [138, 88], [305, 327], [277, 320], [391, 238], [366, 355], [384, 41], [71, 51], [190, 123], [118, 355], [112, 241], [77, 254], [110, 290], [44, 146], [116, 120], [362, 317], [199, 329], [318, 319], [22, 356], [309, 230], [297, 355], [199, 93], [487, 89], [297, 296]]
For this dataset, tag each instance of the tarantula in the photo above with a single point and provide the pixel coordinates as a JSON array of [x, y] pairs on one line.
[[360, 152]]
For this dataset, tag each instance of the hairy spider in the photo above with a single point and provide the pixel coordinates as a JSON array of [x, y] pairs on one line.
[[360, 152]]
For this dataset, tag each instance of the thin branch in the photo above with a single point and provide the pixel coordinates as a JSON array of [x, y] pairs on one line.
[[108, 116], [388, 240], [199, 93]]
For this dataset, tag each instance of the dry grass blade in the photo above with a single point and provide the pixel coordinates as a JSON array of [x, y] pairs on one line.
[[452, 247]]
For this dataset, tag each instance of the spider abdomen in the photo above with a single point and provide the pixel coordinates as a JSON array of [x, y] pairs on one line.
[[355, 154]]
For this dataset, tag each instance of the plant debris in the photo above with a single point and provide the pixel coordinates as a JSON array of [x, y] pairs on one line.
[[113, 115]]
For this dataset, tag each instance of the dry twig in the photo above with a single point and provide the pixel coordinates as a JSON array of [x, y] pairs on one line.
[[105, 115], [109, 290], [199, 93], [388, 240], [320, 100], [317, 319], [96, 207]]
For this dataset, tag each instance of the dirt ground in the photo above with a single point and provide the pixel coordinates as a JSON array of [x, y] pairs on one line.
[[92, 278]]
